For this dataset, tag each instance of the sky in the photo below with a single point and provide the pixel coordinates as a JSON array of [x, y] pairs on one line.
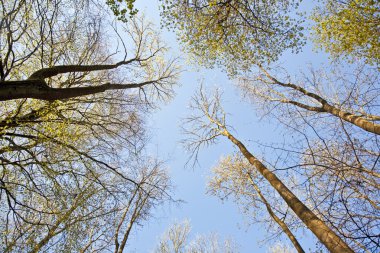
[[207, 213]]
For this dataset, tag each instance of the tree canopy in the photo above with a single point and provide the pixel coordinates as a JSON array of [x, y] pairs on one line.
[[349, 29], [234, 33], [75, 89]]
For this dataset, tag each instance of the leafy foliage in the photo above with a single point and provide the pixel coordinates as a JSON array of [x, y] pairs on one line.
[[349, 28], [123, 9], [73, 172], [234, 33]]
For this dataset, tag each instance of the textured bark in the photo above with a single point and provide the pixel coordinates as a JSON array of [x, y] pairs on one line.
[[354, 119], [38, 89], [325, 235]]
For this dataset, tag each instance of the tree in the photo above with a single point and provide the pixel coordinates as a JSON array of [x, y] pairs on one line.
[[176, 240], [204, 127], [235, 176], [329, 148], [39, 57], [153, 189], [339, 152], [42, 60], [97, 219], [72, 133], [234, 33], [349, 28]]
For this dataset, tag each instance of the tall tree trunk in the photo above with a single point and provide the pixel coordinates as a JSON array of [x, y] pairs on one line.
[[325, 235]]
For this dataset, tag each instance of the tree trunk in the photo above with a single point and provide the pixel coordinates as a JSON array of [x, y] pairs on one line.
[[325, 235], [353, 119]]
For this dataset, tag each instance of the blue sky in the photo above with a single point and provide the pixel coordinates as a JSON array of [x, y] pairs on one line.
[[207, 213]]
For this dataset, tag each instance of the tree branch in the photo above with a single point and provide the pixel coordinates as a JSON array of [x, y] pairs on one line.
[[38, 89], [56, 70]]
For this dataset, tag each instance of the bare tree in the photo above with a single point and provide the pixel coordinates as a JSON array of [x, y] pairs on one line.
[[336, 159], [210, 124], [177, 240], [280, 247], [153, 189], [339, 177], [235, 176]]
